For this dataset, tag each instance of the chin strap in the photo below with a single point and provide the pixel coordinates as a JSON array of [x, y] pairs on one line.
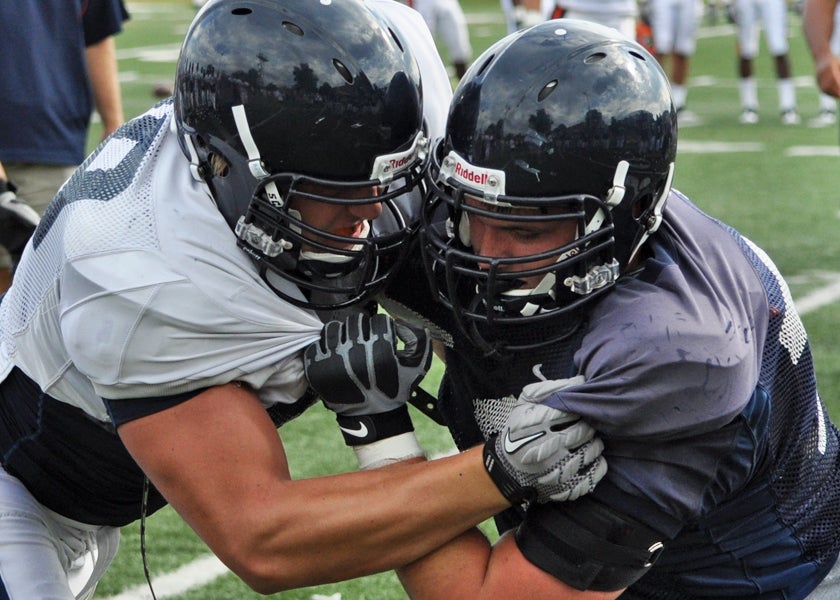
[[654, 219], [614, 196]]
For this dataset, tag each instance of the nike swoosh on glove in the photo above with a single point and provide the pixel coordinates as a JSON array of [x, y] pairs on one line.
[[544, 454], [364, 377]]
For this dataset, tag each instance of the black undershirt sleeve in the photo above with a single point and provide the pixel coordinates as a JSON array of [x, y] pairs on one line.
[[129, 409]]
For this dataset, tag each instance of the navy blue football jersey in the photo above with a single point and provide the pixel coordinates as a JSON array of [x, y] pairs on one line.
[[700, 380]]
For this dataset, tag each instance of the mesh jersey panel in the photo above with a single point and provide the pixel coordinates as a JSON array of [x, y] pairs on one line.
[[91, 196], [803, 442]]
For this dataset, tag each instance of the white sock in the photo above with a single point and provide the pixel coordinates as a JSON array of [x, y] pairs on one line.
[[679, 92], [787, 94], [748, 90]]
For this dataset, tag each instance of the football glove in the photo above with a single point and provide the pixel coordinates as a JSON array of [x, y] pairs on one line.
[[361, 374], [544, 454]]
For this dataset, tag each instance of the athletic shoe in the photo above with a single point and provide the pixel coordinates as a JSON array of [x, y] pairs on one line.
[[826, 118], [749, 116], [791, 117], [686, 118]]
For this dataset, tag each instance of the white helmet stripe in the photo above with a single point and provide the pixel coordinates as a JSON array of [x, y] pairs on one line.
[[255, 163]]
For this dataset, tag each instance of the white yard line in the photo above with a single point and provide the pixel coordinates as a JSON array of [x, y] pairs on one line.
[[820, 297], [199, 572]]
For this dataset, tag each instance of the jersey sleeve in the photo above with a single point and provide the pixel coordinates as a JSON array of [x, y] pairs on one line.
[[137, 328], [102, 19]]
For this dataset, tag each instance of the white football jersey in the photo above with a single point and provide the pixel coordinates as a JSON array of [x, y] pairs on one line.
[[134, 287]]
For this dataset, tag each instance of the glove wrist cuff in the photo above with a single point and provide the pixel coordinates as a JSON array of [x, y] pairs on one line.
[[366, 429], [388, 451], [508, 486]]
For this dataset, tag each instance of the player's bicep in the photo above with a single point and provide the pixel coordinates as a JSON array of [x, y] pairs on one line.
[[512, 576]]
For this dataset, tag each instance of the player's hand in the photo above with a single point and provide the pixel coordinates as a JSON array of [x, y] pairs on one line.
[[828, 74], [543, 454], [18, 221], [361, 374]]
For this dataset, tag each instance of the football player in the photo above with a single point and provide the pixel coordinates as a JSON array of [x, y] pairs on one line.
[[153, 337], [749, 16], [675, 24], [565, 269], [445, 18], [618, 14]]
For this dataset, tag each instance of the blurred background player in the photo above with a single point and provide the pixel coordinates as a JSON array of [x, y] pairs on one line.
[[618, 14], [446, 21], [18, 221], [675, 24], [520, 14], [749, 17]]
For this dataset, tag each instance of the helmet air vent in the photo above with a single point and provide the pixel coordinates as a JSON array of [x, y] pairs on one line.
[[292, 28], [548, 88], [343, 71], [396, 39], [595, 57], [485, 65], [241, 11]]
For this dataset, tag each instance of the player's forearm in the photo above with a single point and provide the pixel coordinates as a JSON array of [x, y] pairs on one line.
[[105, 84], [818, 24], [355, 524]]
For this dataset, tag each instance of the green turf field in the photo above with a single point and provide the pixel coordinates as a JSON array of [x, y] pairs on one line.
[[778, 185]]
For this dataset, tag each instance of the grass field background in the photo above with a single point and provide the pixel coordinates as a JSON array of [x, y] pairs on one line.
[[779, 185]]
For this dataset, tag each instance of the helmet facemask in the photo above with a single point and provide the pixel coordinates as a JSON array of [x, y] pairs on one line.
[[492, 293], [345, 266]]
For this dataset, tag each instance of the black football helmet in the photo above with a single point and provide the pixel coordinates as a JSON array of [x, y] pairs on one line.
[[565, 121], [294, 96]]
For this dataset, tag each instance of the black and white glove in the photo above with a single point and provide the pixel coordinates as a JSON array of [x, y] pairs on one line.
[[543, 454], [18, 221], [361, 375]]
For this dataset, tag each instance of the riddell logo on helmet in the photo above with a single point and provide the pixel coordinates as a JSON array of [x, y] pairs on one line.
[[490, 181], [399, 163], [470, 175]]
